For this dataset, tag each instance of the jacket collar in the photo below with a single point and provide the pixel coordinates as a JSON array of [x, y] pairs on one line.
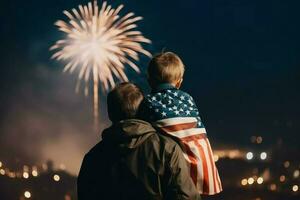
[[163, 86]]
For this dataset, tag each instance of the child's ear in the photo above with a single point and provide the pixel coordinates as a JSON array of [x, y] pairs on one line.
[[178, 84]]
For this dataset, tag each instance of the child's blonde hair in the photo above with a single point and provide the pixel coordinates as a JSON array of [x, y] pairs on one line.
[[165, 67]]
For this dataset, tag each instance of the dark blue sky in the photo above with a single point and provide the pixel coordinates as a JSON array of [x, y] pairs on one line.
[[242, 61]]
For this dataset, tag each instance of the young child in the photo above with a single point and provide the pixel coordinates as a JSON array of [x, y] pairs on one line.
[[174, 112]]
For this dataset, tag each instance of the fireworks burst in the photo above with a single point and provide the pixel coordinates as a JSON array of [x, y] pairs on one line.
[[99, 43]]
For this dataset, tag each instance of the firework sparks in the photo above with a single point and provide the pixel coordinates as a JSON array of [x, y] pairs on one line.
[[99, 43]]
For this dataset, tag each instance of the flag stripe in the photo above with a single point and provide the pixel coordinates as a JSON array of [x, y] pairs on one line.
[[186, 132], [178, 127], [193, 163], [205, 168], [174, 121]]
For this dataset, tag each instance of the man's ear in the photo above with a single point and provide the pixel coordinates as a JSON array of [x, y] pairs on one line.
[[178, 84]]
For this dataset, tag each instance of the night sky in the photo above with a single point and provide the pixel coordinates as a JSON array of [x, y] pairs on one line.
[[242, 68]]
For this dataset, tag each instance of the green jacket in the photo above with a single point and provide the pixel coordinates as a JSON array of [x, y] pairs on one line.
[[134, 162]]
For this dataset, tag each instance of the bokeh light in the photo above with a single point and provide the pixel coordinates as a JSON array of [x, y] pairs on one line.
[[25, 175], [260, 180], [296, 173], [244, 182], [56, 177], [259, 140], [295, 188], [249, 156], [263, 155], [282, 178], [286, 164], [27, 194], [2, 171], [273, 187], [250, 181]]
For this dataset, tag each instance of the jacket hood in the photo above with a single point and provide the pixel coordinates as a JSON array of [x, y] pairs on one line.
[[128, 133]]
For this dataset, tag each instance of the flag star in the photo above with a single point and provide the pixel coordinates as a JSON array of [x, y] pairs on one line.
[[164, 105], [154, 98], [184, 105], [180, 102], [176, 112], [175, 107], [191, 108], [182, 98], [175, 94], [159, 94], [199, 123], [190, 102], [168, 90], [170, 97], [181, 109], [164, 114], [169, 102], [170, 109], [160, 102], [188, 112]]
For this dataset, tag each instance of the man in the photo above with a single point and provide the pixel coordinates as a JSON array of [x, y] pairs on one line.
[[133, 161]]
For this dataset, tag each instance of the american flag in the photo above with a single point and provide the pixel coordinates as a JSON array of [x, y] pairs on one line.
[[175, 113]]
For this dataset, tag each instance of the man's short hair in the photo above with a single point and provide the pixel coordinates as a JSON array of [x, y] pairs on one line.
[[123, 102], [165, 67]]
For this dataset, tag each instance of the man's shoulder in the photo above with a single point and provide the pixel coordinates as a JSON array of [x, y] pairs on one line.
[[95, 151], [164, 142]]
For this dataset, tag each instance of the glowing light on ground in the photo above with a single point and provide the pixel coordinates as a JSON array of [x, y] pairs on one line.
[[99, 44]]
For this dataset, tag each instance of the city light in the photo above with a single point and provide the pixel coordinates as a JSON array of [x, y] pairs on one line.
[[25, 175], [282, 178], [296, 173], [249, 156], [295, 188], [216, 158], [27, 194], [56, 177], [273, 187], [259, 140], [2, 171], [260, 180], [250, 181], [0, 164], [244, 182], [263, 155], [286, 164], [34, 173]]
